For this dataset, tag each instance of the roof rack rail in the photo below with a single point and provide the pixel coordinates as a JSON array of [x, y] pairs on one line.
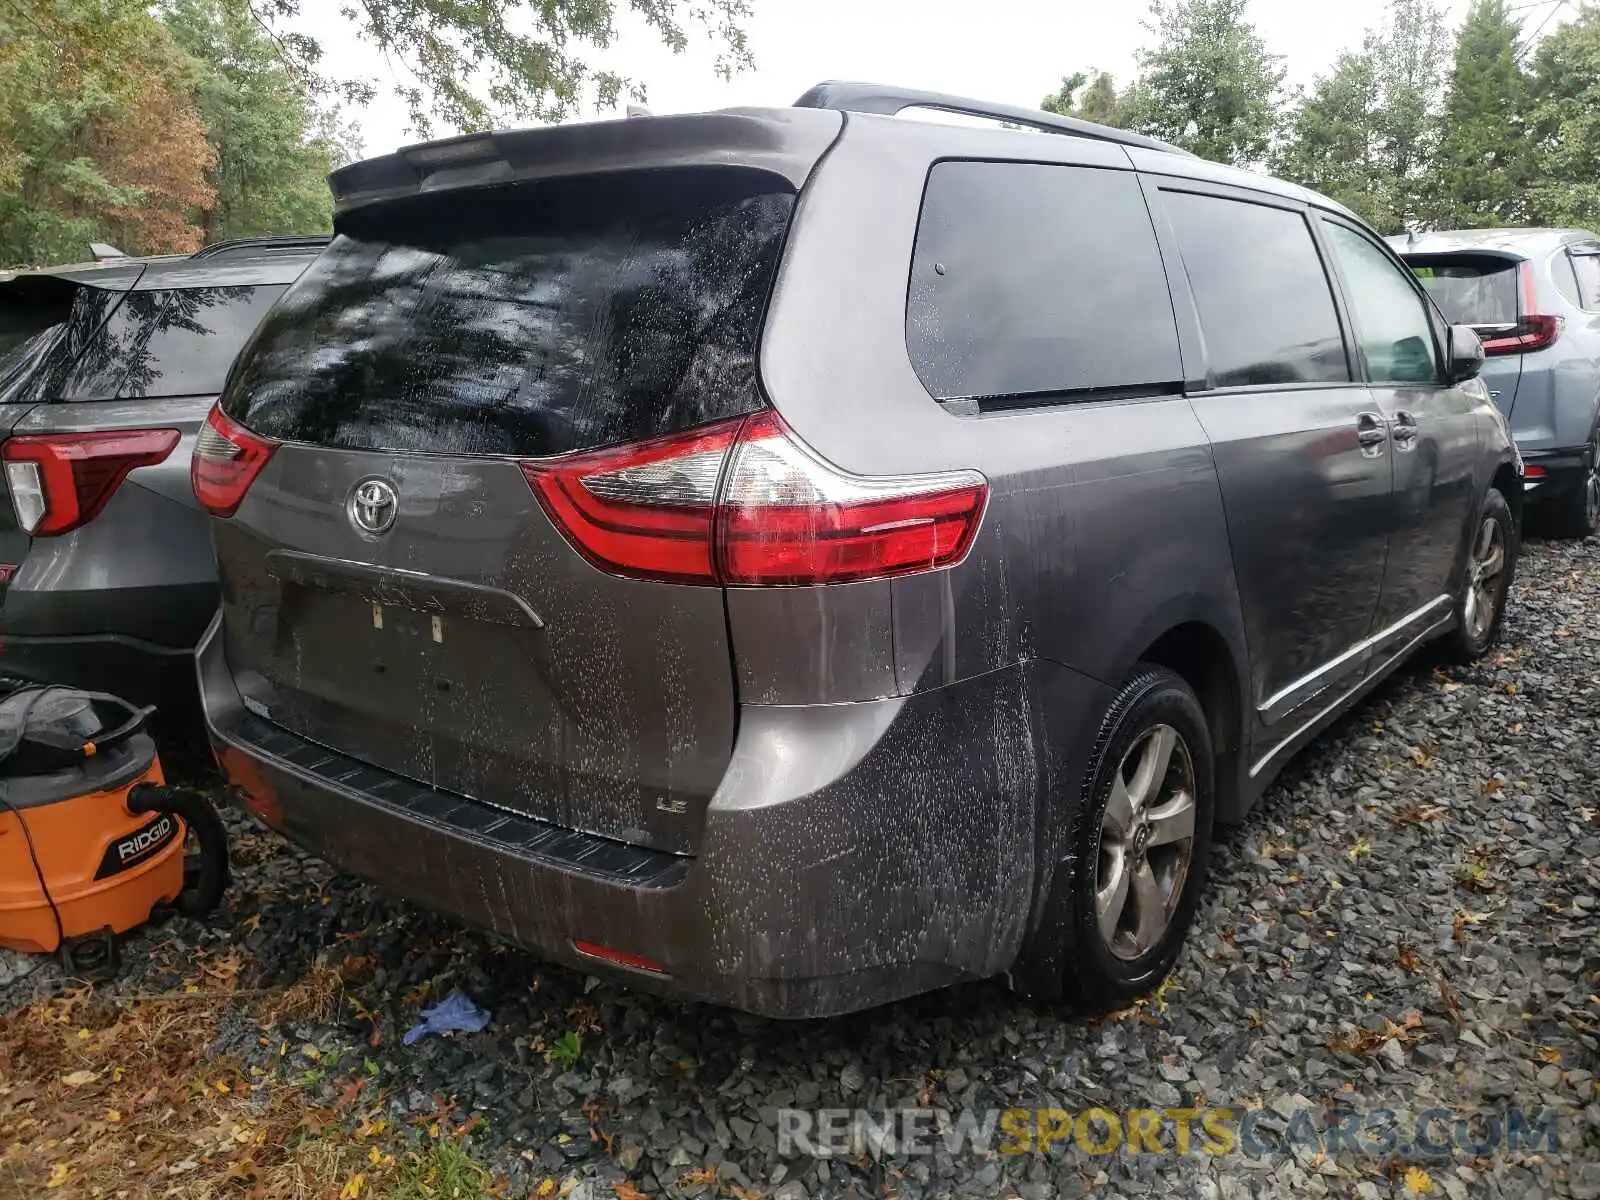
[[885, 101], [295, 241]]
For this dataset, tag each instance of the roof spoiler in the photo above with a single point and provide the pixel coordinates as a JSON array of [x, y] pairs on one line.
[[783, 141], [884, 101]]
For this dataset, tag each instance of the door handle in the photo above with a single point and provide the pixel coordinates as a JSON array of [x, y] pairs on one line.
[[1372, 433], [1404, 431]]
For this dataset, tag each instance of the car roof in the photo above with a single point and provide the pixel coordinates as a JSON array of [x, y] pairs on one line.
[[1521, 242], [236, 262]]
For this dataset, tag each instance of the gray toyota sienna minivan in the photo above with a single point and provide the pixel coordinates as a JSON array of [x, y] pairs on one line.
[[801, 557]]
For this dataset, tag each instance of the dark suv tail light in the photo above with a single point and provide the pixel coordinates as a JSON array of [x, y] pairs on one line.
[[1533, 330], [745, 503], [227, 458], [59, 482]]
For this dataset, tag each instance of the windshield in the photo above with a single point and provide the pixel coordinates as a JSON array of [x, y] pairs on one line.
[[524, 320]]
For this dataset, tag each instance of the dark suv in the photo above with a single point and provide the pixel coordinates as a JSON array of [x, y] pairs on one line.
[[107, 371], [802, 557]]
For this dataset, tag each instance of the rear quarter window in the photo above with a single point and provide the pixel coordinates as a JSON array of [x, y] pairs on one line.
[[527, 319], [1032, 281]]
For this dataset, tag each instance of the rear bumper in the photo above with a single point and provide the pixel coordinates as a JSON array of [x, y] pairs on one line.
[[854, 854], [137, 643], [1552, 473]]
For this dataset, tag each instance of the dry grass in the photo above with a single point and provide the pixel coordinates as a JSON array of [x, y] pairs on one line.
[[103, 1096]]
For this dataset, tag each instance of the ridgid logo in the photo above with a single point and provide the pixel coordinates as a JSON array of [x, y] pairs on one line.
[[138, 847], [145, 840]]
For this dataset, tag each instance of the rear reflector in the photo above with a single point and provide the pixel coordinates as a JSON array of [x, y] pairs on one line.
[[620, 957], [58, 482], [1533, 331], [1533, 472], [745, 503], [227, 458]]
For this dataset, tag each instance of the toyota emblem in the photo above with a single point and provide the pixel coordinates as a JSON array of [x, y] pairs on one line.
[[373, 506]]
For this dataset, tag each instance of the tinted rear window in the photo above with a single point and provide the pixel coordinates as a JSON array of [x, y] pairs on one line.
[[1468, 290], [168, 343], [1265, 304], [1034, 280], [525, 320]]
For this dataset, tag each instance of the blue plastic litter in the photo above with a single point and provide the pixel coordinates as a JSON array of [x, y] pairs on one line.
[[454, 1014]]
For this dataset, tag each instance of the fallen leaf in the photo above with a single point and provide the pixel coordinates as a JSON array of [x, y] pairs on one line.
[[1407, 958], [352, 1188], [79, 1078], [1549, 1054], [1458, 930], [1361, 847], [222, 1087], [58, 1175], [1418, 1181], [700, 1175], [1491, 786], [546, 1186], [113, 1116], [626, 1191]]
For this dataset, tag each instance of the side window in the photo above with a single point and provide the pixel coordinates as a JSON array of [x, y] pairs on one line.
[[1035, 280], [1266, 306], [1566, 277], [1393, 331], [1587, 268], [168, 343]]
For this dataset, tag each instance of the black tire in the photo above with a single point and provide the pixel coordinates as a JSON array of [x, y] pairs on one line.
[[1472, 637], [1575, 513], [1094, 977]]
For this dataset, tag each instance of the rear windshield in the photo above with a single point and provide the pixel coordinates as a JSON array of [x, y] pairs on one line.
[[526, 320], [1470, 291]]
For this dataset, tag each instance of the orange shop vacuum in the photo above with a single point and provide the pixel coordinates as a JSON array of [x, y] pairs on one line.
[[92, 841]]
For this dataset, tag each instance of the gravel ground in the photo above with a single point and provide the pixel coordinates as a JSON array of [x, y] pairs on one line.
[[1407, 922]]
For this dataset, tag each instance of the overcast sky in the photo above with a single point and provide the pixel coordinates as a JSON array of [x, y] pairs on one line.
[[1012, 51]]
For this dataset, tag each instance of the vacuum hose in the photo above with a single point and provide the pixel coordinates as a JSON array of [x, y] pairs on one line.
[[204, 884]]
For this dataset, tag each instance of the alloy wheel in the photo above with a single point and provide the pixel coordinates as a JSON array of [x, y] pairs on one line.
[[1488, 563], [1146, 843]]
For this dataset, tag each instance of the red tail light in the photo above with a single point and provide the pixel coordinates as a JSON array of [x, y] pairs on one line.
[[227, 458], [745, 503], [1532, 331], [59, 482]]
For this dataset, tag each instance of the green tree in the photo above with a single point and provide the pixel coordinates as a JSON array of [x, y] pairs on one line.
[[1481, 171], [1564, 109], [1209, 84], [274, 147], [1411, 55], [99, 140], [1331, 142], [1087, 99], [483, 63], [1367, 133]]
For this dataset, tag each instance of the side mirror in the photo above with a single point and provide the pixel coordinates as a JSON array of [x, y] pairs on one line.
[[1466, 354]]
